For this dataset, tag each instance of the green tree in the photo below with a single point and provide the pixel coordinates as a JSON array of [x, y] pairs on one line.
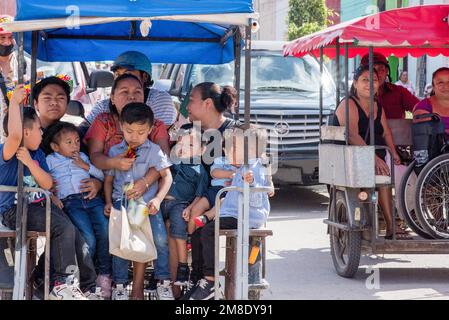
[[306, 17]]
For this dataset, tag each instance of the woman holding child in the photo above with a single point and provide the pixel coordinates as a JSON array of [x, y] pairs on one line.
[[106, 132]]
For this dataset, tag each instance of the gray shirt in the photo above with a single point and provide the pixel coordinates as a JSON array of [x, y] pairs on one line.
[[149, 155], [160, 103]]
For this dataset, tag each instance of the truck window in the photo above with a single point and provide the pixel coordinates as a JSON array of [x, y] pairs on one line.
[[269, 72]]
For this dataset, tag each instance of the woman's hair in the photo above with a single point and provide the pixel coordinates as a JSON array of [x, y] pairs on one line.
[[357, 73], [124, 76], [434, 74], [222, 98]]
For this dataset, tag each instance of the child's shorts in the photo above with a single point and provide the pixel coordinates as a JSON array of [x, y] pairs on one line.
[[172, 210], [211, 194]]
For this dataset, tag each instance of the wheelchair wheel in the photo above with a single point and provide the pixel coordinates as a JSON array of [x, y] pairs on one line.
[[346, 246], [432, 197], [406, 201]]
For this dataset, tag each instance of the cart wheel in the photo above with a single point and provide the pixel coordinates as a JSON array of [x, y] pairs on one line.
[[432, 197], [406, 195], [253, 294], [345, 245]]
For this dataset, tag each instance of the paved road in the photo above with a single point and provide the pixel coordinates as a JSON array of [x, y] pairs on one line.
[[300, 266]]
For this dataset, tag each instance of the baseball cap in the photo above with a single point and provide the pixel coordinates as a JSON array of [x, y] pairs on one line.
[[377, 58], [132, 60], [5, 19]]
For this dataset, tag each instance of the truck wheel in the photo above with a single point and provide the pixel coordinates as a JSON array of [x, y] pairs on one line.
[[345, 245], [406, 195]]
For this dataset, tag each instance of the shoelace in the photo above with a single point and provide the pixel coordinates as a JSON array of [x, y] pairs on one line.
[[203, 283], [166, 289], [76, 292]]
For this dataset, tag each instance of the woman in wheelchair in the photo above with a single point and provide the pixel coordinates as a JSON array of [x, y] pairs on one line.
[[359, 106], [438, 102]]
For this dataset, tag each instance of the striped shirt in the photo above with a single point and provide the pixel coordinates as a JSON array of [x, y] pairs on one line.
[[160, 103]]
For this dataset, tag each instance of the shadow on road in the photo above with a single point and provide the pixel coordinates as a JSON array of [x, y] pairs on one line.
[[314, 277]]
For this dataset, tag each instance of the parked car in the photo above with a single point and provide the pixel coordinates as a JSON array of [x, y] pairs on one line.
[[284, 95]]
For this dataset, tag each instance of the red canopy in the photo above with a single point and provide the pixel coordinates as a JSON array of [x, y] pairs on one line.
[[416, 31]]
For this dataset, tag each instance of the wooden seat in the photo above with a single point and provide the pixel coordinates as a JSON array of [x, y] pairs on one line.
[[230, 259], [31, 257]]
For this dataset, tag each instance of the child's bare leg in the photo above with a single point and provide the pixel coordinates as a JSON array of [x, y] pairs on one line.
[[198, 209], [138, 279], [210, 214], [181, 250]]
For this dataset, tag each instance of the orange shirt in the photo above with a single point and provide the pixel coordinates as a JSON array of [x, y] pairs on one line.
[[104, 129]]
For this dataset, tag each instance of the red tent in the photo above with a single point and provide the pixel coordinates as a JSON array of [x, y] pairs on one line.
[[415, 31]]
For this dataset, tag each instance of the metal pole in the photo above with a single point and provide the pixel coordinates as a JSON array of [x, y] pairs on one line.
[[237, 64], [21, 217], [346, 45], [371, 96], [243, 222], [34, 41], [247, 77], [337, 73], [321, 90]]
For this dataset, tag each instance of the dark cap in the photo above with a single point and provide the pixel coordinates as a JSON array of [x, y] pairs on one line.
[[377, 58]]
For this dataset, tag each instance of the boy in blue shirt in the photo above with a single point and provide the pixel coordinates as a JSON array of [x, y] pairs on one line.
[[68, 167], [136, 121], [66, 243], [190, 181], [256, 176]]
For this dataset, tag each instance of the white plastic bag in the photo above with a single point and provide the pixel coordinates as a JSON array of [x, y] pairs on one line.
[[134, 244]]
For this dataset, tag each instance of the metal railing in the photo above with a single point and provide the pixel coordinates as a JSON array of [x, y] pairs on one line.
[[19, 277], [241, 279]]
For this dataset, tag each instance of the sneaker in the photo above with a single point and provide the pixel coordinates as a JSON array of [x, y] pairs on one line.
[[151, 287], [164, 290], [67, 291], [119, 292], [182, 275], [190, 288], [97, 295], [200, 221], [205, 290], [104, 281]]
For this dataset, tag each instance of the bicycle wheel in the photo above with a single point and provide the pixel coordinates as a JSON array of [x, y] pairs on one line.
[[432, 197], [406, 201]]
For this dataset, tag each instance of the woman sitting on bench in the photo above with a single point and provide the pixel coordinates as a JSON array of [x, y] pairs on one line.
[[359, 108]]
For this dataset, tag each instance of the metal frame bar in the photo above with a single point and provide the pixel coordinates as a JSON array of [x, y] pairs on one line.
[[4, 188], [337, 69], [346, 94], [129, 38], [217, 237], [21, 216], [34, 42], [321, 91], [237, 68]]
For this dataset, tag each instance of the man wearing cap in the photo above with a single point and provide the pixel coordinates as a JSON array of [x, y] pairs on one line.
[[394, 99], [138, 64], [8, 59]]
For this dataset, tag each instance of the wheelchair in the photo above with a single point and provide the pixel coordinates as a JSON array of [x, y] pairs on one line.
[[424, 190]]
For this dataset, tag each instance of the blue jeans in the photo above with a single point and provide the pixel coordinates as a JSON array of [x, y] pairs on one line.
[[172, 210], [88, 217], [161, 270]]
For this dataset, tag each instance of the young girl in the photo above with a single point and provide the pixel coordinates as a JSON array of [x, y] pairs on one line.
[[68, 167]]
